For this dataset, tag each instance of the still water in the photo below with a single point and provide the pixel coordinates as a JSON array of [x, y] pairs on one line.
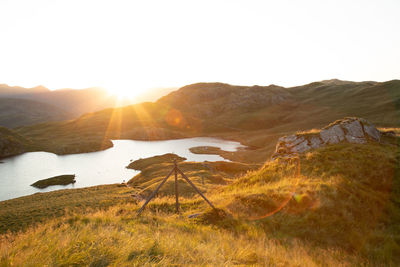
[[103, 167]]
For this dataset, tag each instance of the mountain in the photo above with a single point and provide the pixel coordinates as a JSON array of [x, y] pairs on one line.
[[253, 115], [223, 106], [12, 143], [18, 112], [207, 99], [74, 101], [26, 106], [6, 90], [260, 107]]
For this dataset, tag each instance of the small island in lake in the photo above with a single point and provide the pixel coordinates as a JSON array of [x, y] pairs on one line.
[[141, 164], [211, 150], [56, 180]]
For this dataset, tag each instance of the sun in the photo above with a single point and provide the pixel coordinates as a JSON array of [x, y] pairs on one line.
[[126, 92]]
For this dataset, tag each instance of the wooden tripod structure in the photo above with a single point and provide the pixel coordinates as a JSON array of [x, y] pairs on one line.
[[174, 170]]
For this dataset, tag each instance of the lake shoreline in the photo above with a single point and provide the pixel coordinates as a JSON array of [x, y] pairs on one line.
[[95, 168]]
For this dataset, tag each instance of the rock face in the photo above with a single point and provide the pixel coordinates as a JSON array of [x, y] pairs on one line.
[[351, 130]]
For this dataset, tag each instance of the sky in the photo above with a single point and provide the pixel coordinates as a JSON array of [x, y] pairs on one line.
[[131, 46]]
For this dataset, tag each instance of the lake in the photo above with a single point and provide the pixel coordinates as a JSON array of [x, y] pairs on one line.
[[96, 168]]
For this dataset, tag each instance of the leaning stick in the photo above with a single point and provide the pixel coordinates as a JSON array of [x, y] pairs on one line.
[[198, 191], [155, 192]]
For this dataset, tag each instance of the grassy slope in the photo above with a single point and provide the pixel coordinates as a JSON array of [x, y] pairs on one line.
[[346, 197], [343, 209], [21, 213], [12, 143]]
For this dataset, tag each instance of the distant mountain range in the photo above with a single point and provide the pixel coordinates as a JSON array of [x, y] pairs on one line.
[[17, 112], [25, 106], [254, 115]]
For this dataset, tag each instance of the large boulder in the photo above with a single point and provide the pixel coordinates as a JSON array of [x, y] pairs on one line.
[[351, 130]]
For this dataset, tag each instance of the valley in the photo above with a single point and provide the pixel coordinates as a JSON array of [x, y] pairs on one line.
[[335, 204]]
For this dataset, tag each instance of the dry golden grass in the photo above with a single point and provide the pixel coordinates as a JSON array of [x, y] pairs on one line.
[[342, 210], [116, 237]]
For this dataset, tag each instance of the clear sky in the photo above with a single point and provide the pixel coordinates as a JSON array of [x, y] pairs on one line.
[[128, 46]]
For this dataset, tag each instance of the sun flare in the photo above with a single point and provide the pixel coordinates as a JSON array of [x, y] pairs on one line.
[[126, 92]]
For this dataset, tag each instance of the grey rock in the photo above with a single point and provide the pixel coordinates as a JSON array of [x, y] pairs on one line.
[[355, 140], [315, 142], [291, 139], [332, 135], [302, 147], [299, 139], [372, 132], [288, 142], [353, 128]]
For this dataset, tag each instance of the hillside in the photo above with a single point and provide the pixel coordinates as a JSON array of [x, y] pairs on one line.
[[208, 100], [257, 107], [12, 143], [25, 106], [74, 102], [256, 116], [6, 90], [337, 206], [21, 112], [375, 101], [93, 131]]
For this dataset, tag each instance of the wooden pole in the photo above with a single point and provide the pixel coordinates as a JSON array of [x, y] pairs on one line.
[[298, 166], [198, 191], [155, 192], [176, 187]]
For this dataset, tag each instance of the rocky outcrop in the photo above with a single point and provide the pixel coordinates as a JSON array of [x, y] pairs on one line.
[[351, 130]]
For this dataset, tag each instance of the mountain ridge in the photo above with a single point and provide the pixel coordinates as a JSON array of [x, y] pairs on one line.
[[226, 111]]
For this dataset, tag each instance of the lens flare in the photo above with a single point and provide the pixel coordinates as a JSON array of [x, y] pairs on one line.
[[175, 118], [291, 195]]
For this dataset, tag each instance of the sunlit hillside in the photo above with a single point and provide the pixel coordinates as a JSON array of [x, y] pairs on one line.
[[256, 116], [338, 207]]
